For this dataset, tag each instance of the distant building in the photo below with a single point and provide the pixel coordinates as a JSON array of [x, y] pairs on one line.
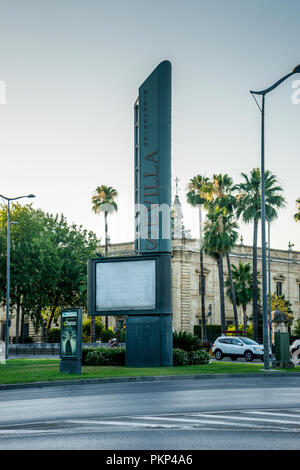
[[285, 279]]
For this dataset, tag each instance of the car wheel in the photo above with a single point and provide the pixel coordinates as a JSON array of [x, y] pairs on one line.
[[248, 356], [233, 358], [218, 355]]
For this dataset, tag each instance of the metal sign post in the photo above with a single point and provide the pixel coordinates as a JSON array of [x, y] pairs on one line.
[[140, 286]]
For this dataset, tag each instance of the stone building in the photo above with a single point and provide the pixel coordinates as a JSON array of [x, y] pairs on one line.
[[285, 279]]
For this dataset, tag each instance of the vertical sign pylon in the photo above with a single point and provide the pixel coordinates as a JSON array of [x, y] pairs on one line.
[[153, 162]]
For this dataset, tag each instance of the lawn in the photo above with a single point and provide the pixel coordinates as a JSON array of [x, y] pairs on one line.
[[44, 370]]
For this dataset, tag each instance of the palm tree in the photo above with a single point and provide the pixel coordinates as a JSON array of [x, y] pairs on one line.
[[220, 236], [249, 208], [222, 195], [297, 215], [243, 287], [197, 195], [104, 201]]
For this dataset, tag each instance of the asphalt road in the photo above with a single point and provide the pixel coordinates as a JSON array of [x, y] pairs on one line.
[[214, 413]]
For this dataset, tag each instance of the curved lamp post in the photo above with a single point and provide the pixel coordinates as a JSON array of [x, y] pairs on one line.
[[263, 93], [8, 199]]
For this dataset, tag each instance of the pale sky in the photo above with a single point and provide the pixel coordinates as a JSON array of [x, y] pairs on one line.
[[72, 71]]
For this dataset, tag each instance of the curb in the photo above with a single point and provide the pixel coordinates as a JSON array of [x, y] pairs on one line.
[[155, 378]]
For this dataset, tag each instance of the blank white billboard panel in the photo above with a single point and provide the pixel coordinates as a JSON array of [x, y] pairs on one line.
[[125, 285]]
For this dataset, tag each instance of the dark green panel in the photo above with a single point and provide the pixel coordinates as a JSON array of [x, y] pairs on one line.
[[153, 157], [149, 341], [282, 349]]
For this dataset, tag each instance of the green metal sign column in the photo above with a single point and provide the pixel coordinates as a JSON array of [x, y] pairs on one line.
[[149, 337], [153, 162]]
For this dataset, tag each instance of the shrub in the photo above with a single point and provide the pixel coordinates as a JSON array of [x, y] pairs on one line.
[[186, 341], [296, 328], [53, 335], [86, 328], [107, 334], [105, 357], [27, 340], [206, 345], [84, 353], [213, 332], [180, 357], [198, 357]]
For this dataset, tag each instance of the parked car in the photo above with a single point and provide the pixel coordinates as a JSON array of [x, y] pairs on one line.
[[237, 346]]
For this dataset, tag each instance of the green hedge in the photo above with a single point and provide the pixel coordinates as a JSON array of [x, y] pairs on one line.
[[198, 357], [180, 357], [53, 335], [105, 357], [212, 331], [185, 340], [116, 357]]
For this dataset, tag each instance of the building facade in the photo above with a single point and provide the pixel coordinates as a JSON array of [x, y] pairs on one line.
[[285, 280]]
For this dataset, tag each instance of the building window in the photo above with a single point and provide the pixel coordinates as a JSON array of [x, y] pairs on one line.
[[204, 281], [278, 288]]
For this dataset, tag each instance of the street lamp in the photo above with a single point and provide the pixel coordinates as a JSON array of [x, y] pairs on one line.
[[263, 93], [8, 199]]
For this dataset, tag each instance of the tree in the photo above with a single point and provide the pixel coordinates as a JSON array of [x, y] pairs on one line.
[[104, 201], [243, 287], [48, 265], [223, 196], [297, 215], [281, 303], [33, 266], [197, 195], [75, 246], [249, 208], [296, 328], [220, 236]]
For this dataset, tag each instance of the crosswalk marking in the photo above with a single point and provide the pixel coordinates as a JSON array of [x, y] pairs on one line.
[[121, 423], [245, 418], [260, 420], [197, 421], [272, 414]]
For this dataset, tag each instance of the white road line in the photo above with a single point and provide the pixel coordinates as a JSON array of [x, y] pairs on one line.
[[27, 431], [273, 414], [199, 421], [123, 423], [291, 393], [244, 418]]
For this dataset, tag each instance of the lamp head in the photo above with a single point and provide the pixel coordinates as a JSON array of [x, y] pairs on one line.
[[297, 69], [31, 195]]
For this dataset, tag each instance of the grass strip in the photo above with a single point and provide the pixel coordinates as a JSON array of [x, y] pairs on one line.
[[44, 370]]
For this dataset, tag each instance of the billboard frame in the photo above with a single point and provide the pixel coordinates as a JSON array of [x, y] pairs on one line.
[[163, 301]]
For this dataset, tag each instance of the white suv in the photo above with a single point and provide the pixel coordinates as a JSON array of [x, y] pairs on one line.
[[238, 346]]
